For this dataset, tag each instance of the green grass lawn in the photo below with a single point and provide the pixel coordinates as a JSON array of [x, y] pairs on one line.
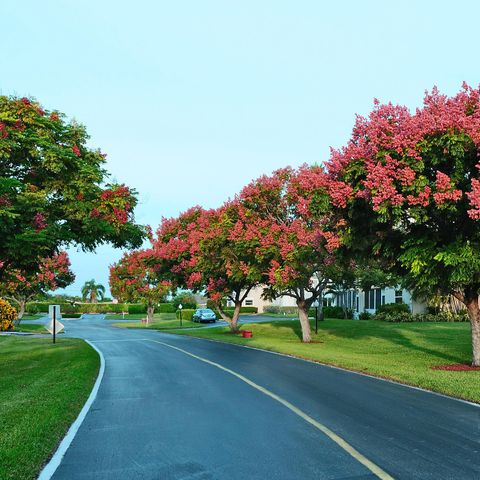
[[31, 328], [34, 317], [161, 321], [401, 351], [43, 387], [138, 316]]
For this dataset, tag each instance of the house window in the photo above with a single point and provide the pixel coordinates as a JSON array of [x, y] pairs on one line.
[[398, 296], [383, 299], [248, 303]]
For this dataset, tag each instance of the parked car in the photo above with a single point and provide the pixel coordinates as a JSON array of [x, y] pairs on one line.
[[204, 315]]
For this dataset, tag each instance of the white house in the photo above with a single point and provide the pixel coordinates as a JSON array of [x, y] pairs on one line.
[[357, 300]]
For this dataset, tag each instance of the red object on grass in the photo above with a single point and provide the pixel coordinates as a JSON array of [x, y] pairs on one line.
[[456, 367], [247, 333]]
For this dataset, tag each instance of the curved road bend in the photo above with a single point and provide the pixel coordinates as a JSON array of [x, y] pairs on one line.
[[163, 414]]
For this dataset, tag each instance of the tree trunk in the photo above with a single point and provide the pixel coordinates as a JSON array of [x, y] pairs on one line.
[[474, 315], [21, 310], [234, 320], [150, 311], [304, 322]]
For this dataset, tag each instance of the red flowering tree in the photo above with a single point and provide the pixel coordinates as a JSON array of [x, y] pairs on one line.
[[134, 279], [54, 189], [284, 217], [21, 286], [200, 252], [408, 184]]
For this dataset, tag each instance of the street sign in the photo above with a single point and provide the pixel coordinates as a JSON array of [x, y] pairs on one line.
[[59, 327], [54, 326]]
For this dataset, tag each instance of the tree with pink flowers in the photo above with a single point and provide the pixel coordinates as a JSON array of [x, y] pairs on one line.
[[286, 218], [199, 251], [21, 286], [408, 186], [134, 279]]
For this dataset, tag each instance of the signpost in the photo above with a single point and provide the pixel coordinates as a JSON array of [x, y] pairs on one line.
[[180, 308], [55, 326], [317, 304]]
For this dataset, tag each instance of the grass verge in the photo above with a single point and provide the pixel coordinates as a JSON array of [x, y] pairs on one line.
[[43, 387], [30, 328], [398, 351], [160, 325]]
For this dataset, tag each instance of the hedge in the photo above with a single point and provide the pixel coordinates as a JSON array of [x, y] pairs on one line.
[[278, 309], [404, 317], [393, 308], [187, 314], [68, 308], [165, 308]]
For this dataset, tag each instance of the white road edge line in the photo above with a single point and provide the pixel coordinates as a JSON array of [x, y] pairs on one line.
[[336, 367], [375, 469], [50, 468]]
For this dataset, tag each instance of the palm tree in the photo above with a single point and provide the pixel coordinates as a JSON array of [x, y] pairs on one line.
[[93, 291]]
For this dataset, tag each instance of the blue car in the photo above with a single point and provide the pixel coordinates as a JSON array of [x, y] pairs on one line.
[[204, 315]]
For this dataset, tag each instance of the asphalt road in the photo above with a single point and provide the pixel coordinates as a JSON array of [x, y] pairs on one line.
[[161, 413]]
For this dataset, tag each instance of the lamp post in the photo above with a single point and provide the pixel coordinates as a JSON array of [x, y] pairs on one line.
[[180, 306]]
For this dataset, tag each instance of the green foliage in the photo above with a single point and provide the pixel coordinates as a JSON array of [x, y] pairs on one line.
[[186, 299], [165, 308], [187, 314], [137, 308], [275, 309], [406, 317], [337, 312], [93, 291], [32, 308], [365, 316], [54, 189], [68, 308], [393, 308]]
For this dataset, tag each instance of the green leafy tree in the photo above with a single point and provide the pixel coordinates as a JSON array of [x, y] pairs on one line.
[[93, 291], [408, 187], [186, 299], [54, 190]]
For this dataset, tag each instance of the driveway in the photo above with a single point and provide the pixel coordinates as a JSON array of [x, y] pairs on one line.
[[173, 407]]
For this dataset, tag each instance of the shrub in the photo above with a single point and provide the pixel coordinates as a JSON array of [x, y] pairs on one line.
[[187, 313], [365, 316], [137, 308], [33, 310], [404, 317], [282, 310], [165, 308], [68, 308], [73, 315], [337, 312], [8, 315], [393, 308], [187, 299]]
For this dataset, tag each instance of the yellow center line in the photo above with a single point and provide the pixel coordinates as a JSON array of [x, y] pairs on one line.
[[375, 469]]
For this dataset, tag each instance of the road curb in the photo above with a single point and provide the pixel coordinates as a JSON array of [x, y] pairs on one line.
[[51, 467]]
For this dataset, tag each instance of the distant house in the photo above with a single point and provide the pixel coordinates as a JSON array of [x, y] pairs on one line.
[[369, 300], [357, 300]]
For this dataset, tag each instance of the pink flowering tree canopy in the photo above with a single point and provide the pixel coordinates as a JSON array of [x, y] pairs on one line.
[[20, 286], [54, 189], [200, 252], [284, 217], [134, 279], [408, 185]]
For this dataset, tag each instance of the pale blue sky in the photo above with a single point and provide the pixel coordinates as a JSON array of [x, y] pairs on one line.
[[193, 99]]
